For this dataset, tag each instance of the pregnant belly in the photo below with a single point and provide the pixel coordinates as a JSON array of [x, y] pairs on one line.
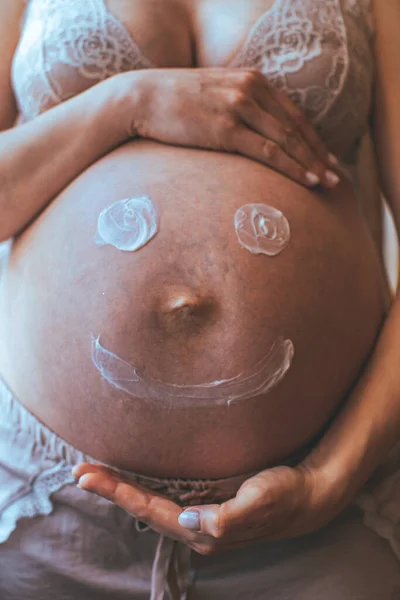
[[190, 307]]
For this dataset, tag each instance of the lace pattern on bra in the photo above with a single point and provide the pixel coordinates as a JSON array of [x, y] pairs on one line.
[[347, 122], [65, 47], [291, 35], [318, 53]]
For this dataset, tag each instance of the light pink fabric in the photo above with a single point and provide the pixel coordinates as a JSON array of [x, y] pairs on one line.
[[61, 542]]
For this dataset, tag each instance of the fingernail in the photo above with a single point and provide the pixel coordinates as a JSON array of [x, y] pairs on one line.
[[190, 519], [333, 160], [331, 178], [75, 471], [312, 178], [82, 481]]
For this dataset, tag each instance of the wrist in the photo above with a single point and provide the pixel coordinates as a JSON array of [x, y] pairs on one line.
[[348, 453], [324, 498], [111, 108], [128, 103], [333, 472]]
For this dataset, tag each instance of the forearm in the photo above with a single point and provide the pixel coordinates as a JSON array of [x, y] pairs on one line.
[[368, 426], [38, 159]]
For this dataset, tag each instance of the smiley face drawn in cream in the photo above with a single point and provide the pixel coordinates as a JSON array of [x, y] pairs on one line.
[[127, 224], [262, 229], [261, 378]]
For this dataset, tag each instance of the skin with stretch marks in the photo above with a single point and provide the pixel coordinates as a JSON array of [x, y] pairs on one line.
[[128, 225]]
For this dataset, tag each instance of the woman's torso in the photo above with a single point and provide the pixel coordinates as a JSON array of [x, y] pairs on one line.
[[322, 292]]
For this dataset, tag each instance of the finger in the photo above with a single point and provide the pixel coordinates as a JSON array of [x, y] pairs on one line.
[[282, 134], [257, 505], [215, 521], [104, 474], [83, 468], [306, 129], [267, 503], [157, 511], [265, 95], [256, 93], [202, 519], [275, 101], [246, 509], [86, 468], [255, 146], [133, 498]]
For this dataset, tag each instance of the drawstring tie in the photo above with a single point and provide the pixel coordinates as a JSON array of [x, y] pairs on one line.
[[171, 567], [170, 570]]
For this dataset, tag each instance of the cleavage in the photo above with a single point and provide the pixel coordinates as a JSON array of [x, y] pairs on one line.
[[189, 33], [161, 29], [223, 27]]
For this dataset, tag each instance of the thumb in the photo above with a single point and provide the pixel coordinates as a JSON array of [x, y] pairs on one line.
[[217, 520], [268, 493], [204, 519]]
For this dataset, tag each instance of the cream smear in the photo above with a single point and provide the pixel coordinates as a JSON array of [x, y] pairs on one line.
[[260, 379]]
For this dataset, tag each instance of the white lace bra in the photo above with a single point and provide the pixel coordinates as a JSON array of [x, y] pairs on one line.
[[318, 51]]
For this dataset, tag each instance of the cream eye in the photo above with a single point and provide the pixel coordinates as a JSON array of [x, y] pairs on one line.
[[261, 229], [127, 224]]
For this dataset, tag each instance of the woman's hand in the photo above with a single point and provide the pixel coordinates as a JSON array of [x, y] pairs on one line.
[[233, 110], [277, 503]]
